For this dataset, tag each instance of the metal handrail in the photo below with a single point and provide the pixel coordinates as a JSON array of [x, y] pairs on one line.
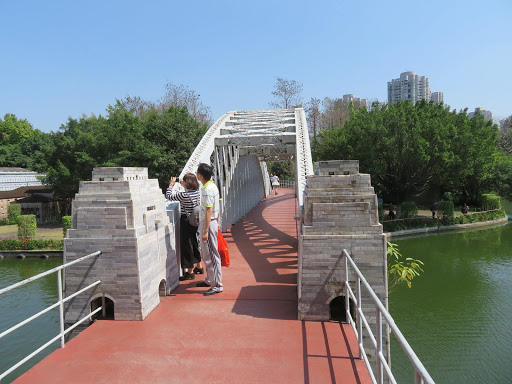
[[420, 373], [288, 184], [59, 303]]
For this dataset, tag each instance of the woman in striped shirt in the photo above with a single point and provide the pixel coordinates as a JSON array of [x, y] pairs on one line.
[[189, 197]]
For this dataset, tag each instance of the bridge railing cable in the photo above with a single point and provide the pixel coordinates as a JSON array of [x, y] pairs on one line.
[[59, 304], [420, 373]]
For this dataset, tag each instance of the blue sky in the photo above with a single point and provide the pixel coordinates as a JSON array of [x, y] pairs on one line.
[[66, 58]]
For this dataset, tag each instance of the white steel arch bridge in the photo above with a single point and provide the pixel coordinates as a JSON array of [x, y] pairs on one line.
[[239, 144]]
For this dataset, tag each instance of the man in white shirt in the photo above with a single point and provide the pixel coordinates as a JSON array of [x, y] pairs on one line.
[[208, 230]]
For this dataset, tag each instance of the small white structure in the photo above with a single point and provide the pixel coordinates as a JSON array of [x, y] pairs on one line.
[[12, 178], [123, 214]]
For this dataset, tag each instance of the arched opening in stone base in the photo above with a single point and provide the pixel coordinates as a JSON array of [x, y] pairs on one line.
[[162, 288], [107, 313], [337, 309]]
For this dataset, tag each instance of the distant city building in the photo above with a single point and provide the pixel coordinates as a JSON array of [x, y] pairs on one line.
[[487, 114], [437, 97], [411, 87], [12, 178], [351, 97]]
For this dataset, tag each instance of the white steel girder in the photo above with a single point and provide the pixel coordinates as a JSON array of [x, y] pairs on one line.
[[238, 145]]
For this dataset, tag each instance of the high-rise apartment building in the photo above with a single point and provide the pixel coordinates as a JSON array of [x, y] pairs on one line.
[[487, 114], [351, 97], [411, 87], [437, 97]]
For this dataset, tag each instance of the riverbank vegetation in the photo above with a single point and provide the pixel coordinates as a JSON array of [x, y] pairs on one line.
[[427, 222], [28, 245]]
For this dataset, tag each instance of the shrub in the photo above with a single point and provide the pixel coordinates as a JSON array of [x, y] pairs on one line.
[[27, 226], [479, 217], [25, 244], [5, 221], [14, 212], [490, 201], [446, 208], [66, 224], [409, 209]]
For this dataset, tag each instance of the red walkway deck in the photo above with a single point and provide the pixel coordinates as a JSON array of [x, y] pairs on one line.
[[247, 334]]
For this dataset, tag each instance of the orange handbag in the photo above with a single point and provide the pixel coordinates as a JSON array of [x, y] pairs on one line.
[[223, 250]]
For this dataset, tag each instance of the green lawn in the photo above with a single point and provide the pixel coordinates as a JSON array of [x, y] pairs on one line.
[[50, 232], [8, 229]]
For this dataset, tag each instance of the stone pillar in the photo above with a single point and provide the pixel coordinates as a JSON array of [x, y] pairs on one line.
[[123, 214], [340, 212]]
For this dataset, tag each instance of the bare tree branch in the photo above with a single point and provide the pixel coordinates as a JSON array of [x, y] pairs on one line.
[[287, 93]]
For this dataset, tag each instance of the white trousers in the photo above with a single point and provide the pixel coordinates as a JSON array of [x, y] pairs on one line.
[[211, 256]]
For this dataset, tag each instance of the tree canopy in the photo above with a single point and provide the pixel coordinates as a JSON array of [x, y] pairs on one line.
[[409, 149], [162, 141]]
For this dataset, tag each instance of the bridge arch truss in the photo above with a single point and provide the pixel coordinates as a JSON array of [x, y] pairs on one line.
[[239, 144]]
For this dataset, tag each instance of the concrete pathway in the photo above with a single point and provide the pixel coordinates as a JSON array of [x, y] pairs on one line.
[[247, 334]]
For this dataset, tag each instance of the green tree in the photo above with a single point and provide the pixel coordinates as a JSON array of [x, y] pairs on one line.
[[21, 145], [409, 149], [285, 170], [169, 140], [162, 142]]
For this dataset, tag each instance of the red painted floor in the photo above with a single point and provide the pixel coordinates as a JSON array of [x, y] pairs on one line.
[[247, 334]]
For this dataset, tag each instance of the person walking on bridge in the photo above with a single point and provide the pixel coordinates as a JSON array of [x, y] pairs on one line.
[[274, 182], [208, 230]]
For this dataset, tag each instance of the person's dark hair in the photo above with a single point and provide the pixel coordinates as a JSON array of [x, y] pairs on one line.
[[191, 182], [205, 170]]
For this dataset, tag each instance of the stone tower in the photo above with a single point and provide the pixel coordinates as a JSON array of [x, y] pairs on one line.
[[340, 212], [121, 213]]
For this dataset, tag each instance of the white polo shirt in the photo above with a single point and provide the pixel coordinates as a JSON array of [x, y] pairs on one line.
[[209, 198]]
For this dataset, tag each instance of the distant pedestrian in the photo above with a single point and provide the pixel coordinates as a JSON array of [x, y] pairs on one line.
[[274, 182], [464, 209], [208, 230], [391, 215], [433, 208], [189, 198]]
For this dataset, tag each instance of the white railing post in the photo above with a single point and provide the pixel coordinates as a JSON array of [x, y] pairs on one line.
[[61, 307], [347, 295], [421, 375], [378, 351], [359, 318]]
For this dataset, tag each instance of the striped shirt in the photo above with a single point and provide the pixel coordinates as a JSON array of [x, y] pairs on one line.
[[209, 198], [188, 199]]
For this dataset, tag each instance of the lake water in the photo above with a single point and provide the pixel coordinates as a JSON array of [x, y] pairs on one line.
[[458, 314], [22, 303]]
